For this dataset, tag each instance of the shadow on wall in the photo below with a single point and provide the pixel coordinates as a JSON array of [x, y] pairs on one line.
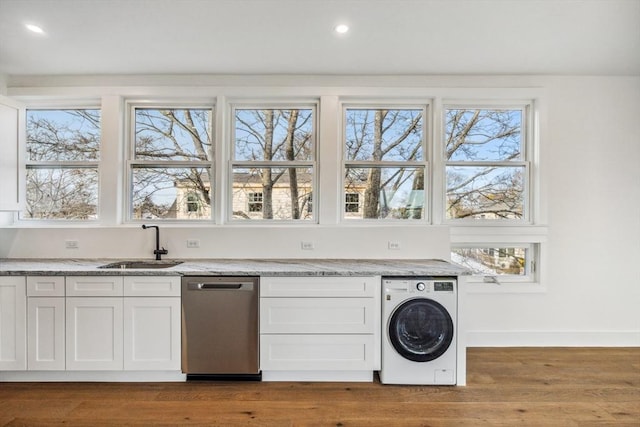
[[7, 238]]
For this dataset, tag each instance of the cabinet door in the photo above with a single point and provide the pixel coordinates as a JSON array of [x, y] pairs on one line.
[[12, 172], [317, 352], [13, 323], [45, 320], [152, 286], [45, 286], [318, 315], [94, 334], [332, 287], [152, 333], [94, 286]]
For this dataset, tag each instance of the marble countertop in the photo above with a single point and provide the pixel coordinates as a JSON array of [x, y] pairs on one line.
[[238, 267]]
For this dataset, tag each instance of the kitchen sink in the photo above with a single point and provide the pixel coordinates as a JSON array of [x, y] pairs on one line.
[[127, 264]]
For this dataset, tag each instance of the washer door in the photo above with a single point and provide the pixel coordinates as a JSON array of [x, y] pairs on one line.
[[421, 330]]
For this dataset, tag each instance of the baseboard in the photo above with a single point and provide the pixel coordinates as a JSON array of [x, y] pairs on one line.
[[553, 339]]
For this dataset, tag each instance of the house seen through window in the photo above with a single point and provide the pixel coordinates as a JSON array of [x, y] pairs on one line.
[[273, 163], [170, 163], [384, 161]]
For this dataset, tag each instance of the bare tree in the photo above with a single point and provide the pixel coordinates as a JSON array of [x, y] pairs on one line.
[[275, 135], [61, 181], [483, 181], [391, 135]]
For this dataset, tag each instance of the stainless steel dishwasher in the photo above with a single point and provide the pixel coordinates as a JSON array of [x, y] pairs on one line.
[[220, 327]]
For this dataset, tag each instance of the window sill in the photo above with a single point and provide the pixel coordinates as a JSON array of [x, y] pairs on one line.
[[474, 287]]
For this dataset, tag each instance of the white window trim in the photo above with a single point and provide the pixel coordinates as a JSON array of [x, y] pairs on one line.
[[283, 104], [424, 104], [130, 161]]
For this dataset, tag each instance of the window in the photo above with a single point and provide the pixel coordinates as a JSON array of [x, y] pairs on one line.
[[193, 204], [511, 262], [170, 163], [63, 153], [486, 164], [255, 202], [352, 202], [384, 160], [273, 157]]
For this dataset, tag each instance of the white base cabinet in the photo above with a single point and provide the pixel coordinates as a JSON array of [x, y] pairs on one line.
[[90, 328], [319, 328], [45, 333], [94, 333], [152, 333], [46, 323], [13, 323]]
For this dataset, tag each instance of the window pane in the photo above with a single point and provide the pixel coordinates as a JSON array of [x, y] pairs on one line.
[[173, 134], [492, 261], [171, 193], [56, 193], [491, 192], [63, 135], [391, 135], [483, 135], [383, 193], [269, 134], [272, 193]]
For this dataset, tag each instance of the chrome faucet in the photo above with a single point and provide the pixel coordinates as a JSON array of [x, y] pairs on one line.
[[158, 252]]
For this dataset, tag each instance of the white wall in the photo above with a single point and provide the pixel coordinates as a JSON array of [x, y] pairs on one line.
[[590, 283], [592, 164]]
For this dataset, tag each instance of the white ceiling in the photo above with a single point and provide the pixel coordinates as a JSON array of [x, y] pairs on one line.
[[295, 37]]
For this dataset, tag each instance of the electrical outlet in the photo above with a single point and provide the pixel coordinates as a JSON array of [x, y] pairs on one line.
[[71, 244], [193, 243], [307, 246], [394, 245]]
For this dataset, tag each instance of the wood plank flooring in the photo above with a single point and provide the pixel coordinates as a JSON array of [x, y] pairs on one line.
[[506, 387]]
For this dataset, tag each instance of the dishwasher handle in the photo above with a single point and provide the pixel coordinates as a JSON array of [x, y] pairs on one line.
[[204, 286]]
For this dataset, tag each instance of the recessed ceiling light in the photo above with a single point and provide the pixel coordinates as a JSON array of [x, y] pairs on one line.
[[341, 29], [34, 28]]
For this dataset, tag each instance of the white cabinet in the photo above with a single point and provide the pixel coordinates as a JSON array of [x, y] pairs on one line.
[[154, 286], [94, 286], [13, 323], [319, 328], [45, 323], [45, 333], [12, 137], [152, 316], [152, 333], [94, 333]]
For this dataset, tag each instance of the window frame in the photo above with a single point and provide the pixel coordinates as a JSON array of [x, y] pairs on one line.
[[527, 142], [232, 163], [130, 162], [85, 104], [531, 262], [426, 105]]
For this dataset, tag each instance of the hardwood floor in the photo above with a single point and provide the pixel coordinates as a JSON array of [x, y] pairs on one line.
[[506, 387]]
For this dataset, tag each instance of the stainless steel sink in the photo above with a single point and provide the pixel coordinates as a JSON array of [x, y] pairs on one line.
[[125, 265]]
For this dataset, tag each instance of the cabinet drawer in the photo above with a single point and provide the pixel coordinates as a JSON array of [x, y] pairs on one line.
[[159, 286], [334, 286], [94, 286], [317, 352], [45, 286], [317, 315]]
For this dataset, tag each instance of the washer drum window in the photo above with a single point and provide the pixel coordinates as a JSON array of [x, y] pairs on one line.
[[421, 330]]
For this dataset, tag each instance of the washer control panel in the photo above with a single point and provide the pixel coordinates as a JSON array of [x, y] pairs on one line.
[[418, 285]]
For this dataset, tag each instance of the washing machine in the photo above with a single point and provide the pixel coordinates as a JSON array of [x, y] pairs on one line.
[[419, 330]]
